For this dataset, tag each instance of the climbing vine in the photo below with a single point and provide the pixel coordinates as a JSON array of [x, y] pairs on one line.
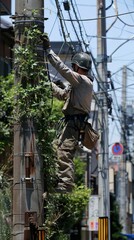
[[34, 96]]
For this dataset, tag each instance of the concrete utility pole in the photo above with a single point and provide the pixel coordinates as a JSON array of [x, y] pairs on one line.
[[122, 169], [27, 175], [103, 161]]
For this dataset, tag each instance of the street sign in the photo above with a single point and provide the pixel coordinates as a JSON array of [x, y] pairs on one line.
[[115, 159], [117, 149]]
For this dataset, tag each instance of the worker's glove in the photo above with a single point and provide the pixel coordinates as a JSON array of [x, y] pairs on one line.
[[60, 84], [46, 41]]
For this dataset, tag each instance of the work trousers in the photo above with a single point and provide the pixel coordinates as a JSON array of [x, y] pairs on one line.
[[66, 148]]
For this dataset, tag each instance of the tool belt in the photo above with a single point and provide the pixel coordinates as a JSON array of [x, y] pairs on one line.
[[87, 135], [80, 117]]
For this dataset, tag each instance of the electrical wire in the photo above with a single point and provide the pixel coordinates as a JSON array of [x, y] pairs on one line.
[[59, 12], [126, 24], [128, 10], [95, 19], [111, 38], [109, 5], [123, 131], [116, 13], [53, 25], [98, 78], [74, 28], [121, 46], [79, 25]]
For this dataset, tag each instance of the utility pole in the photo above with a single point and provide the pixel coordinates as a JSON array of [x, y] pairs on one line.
[[122, 169], [27, 165], [103, 161]]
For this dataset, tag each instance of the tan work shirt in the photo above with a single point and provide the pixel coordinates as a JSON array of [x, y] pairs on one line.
[[78, 98]]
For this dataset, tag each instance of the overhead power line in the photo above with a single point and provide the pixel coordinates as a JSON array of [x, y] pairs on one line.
[[95, 19], [116, 12], [110, 5], [129, 25], [112, 38], [121, 45], [79, 25], [63, 26]]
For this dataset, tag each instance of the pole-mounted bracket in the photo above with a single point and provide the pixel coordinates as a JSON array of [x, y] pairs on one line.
[[103, 58], [29, 179], [30, 216]]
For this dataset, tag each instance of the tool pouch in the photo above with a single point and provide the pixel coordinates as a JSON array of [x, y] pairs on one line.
[[90, 136]]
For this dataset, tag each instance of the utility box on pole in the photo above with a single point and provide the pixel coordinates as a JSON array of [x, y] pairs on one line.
[[27, 167]]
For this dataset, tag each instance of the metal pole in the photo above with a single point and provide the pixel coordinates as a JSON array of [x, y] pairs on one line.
[[103, 161], [27, 165], [122, 169]]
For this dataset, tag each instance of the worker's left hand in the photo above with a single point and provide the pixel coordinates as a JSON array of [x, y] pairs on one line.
[[46, 41]]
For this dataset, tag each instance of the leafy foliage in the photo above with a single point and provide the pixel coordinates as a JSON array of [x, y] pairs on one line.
[[5, 209], [65, 211], [79, 171], [34, 88], [7, 91]]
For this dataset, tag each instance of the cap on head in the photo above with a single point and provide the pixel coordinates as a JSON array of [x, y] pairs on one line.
[[83, 60]]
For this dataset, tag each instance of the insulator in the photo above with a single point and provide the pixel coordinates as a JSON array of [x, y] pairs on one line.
[[66, 5]]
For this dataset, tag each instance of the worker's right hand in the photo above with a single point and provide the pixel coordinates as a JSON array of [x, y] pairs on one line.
[[46, 41]]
